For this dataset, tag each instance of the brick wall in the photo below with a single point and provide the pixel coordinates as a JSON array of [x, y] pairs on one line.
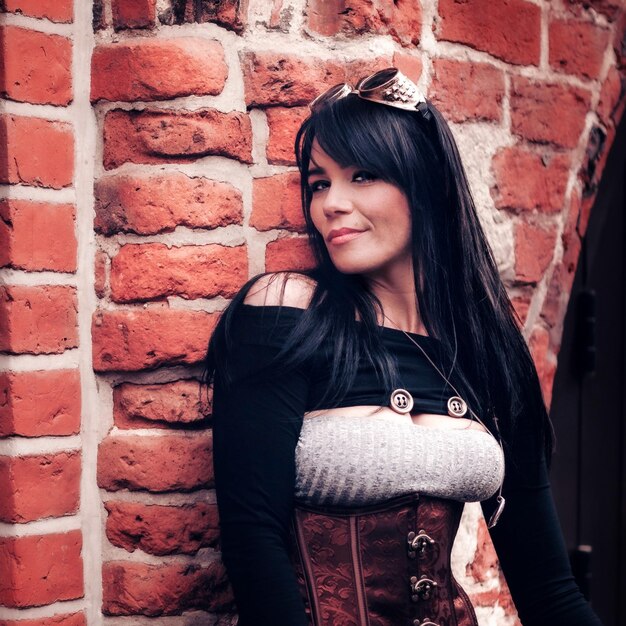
[[147, 171]]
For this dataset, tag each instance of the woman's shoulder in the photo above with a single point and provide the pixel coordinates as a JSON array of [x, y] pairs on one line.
[[281, 289]]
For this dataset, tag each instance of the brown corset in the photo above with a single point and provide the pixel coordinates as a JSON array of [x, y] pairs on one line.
[[380, 565]]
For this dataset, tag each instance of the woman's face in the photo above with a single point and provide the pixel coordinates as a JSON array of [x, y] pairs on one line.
[[364, 221]]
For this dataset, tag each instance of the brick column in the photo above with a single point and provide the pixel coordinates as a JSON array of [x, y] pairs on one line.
[[40, 382]]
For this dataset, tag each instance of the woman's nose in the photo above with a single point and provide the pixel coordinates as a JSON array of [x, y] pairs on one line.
[[337, 200]]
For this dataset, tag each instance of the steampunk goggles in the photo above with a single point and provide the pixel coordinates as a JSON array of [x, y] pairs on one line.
[[389, 86]]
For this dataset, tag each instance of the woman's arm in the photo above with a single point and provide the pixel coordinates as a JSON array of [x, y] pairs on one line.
[[257, 421], [256, 428]]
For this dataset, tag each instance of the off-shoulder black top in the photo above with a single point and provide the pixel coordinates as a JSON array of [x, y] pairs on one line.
[[256, 421]]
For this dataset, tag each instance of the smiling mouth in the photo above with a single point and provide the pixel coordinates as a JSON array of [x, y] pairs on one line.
[[343, 235]]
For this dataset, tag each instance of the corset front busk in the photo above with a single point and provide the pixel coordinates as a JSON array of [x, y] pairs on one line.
[[380, 565]]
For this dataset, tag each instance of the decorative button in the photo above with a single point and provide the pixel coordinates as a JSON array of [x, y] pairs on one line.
[[457, 407], [401, 401], [422, 589], [418, 543]]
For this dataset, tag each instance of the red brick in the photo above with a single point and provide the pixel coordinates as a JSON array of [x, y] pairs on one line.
[[548, 112], [577, 47], [162, 530], [467, 91], [148, 205], [276, 203], [21, 243], [545, 362], [581, 8], [562, 279], [230, 14], [156, 463], [34, 487], [183, 402], [36, 404], [100, 273], [509, 29], [280, 18], [37, 66], [288, 253], [140, 339], [133, 14], [157, 69], [560, 285], [557, 296], [175, 136], [534, 249], [37, 152], [283, 125], [272, 79], [484, 568], [152, 271], [496, 598], [575, 228], [402, 19], [53, 10], [154, 204], [40, 569], [619, 39], [38, 320], [611, 104], [485, 564], [529, 180], [409, 65], [71, 619], [521, 304], [324, 16], [142, 589]]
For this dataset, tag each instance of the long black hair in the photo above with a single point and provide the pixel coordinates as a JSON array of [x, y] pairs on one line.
[[461, 299]]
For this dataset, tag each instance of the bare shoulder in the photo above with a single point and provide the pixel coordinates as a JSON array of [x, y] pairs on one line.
[[281, 288]]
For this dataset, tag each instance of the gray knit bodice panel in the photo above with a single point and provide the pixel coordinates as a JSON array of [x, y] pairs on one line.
[[363, 460]]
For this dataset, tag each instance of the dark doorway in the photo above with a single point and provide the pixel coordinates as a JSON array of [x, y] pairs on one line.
[[589, 402]]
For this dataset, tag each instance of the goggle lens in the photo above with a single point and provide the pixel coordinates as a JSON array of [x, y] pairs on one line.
[[336, 92]]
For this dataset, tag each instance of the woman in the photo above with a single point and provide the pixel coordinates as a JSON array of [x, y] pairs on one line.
[[357, 406]]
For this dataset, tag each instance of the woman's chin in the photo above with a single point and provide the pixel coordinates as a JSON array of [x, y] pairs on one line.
[[352, 268]]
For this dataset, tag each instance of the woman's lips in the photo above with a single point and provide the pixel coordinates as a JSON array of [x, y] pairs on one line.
[[343, 235]]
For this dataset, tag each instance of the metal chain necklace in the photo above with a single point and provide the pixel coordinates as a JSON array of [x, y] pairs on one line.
[[402, 402], [457, 407]]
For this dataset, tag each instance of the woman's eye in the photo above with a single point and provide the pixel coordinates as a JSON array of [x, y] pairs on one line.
[[317, 185], [364, 177]]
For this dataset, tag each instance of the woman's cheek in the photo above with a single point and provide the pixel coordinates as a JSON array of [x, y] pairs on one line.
[[314, 214]]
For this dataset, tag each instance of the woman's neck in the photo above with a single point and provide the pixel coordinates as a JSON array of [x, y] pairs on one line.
[[399, 301]]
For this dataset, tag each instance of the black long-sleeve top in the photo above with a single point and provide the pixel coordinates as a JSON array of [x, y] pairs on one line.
[[257, 421]]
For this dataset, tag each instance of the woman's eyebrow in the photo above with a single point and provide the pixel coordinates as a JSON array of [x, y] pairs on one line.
[[316, 171]]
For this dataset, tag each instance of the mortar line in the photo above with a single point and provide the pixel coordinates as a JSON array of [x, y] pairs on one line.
[[85, 133], [48, 526], [62, 607]]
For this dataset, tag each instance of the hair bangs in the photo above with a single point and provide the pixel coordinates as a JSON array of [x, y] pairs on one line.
[[354, 132]]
